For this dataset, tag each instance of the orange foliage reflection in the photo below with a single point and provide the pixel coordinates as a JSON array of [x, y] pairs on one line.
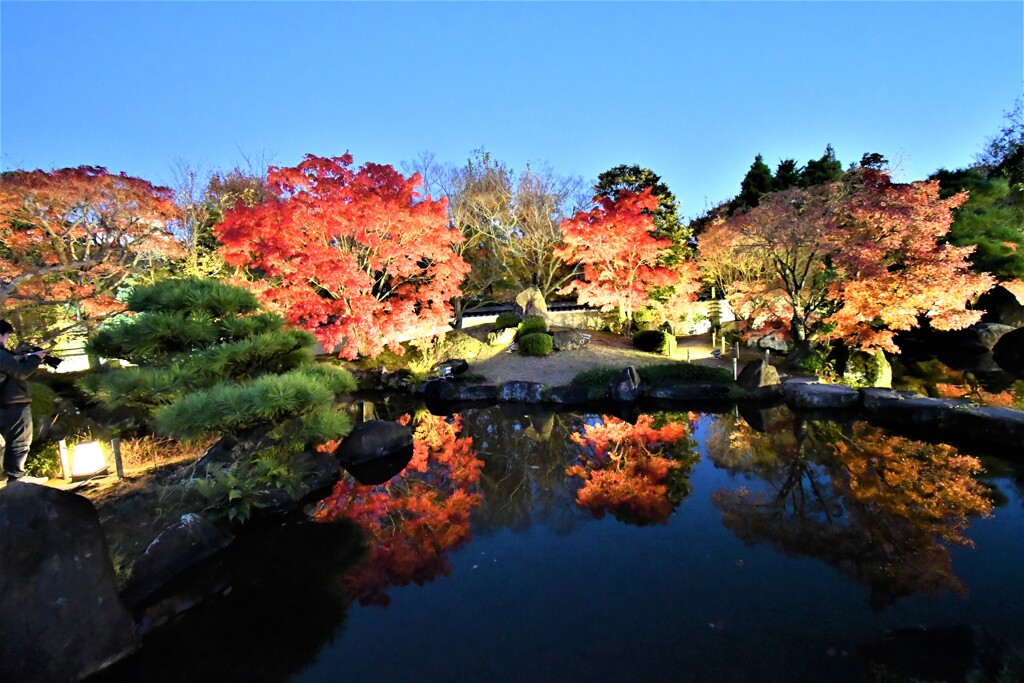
[[625, 471], [415, 518], [881, 509]]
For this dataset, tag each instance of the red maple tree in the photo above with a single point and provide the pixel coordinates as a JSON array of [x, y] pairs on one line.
[[358, 258], [615, 244], [71, 237], [855, 260]]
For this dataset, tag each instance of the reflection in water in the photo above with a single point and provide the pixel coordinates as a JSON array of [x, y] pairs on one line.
[[414, 519], [629, 470], [525, 451], [881, 509]]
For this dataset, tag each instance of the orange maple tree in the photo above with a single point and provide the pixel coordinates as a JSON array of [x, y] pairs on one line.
[[414, 519], [73, 236], [625, 470], [356, 257], [854, 260], [621, 258]]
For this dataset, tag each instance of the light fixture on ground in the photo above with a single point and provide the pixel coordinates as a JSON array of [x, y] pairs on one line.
[[87, 459]]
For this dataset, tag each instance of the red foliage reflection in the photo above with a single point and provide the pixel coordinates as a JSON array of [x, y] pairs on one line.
[[624, 470], [414, 519]]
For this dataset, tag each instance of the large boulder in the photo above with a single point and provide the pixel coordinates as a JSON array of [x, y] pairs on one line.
[[757, 374], [449, 368], [520, 392], [502, 337], [624, 387], [569, 395], [867, 369], [447, 390], [530, 301], [810, 395], [372, 440], [1001, 306], [987, 335], [568, 340], [682, 390], [61, 618], [179, 547], [1009, 352]]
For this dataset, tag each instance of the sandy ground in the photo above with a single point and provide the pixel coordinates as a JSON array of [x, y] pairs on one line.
[[604, 350]]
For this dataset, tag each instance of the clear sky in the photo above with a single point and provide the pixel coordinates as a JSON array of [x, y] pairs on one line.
[[691, 90]]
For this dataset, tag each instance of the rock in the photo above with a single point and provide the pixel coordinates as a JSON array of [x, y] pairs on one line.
[[372, 440], [569, 395], [988, 334], [502, 337], [915, 410], [320, 474], [520, 392], [447, 390], [182, 545], [399, 380], [625, 386], [866, 369], [531, 302], [811, 395], [61, 618], [568, 340], [449, 368], [1001, 306], [1003, 426], [1009, 352], [682, 390], [877, 399], [757, 374]]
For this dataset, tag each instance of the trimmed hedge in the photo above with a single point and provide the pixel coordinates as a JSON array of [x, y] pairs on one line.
[[653, 341], [506, 320], [600, 376], [532, 324], [536, 344]]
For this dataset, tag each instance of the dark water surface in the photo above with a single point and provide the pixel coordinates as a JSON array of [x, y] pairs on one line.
[[777, 556]]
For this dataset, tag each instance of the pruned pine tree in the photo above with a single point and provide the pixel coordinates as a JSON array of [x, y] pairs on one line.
[[209, 361]]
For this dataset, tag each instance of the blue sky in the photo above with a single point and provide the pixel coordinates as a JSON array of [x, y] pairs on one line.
[[690, 90]]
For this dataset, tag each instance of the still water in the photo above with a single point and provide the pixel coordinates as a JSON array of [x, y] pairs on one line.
[[523, 545]]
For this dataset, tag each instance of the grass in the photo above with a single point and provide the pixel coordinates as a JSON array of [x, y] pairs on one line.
[[596, 379]]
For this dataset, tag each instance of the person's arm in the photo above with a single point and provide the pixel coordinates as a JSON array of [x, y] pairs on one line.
[[19, 367]]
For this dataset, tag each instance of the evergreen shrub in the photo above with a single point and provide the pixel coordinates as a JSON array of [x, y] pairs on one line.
[[654, 341], [506, 320], [536, 344], [532, 324]]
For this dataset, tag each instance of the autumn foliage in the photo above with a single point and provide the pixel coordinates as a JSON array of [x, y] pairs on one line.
[[415, 518], [882, 509], [625, 470], [620, 256], [354, 256], [855, 260], [73, 236]]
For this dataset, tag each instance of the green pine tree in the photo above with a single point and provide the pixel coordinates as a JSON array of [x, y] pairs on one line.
[[208, 361]]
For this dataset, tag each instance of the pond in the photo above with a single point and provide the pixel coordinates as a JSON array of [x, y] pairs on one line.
[[524, 545]]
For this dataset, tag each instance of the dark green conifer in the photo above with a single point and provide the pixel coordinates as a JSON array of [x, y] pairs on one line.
[[207, 360]]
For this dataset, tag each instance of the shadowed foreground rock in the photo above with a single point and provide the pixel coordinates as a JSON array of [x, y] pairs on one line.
[[60, 615]]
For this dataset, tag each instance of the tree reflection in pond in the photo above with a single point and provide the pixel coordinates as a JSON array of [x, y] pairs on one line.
[[414, 519], [636, 472], [881, 509]]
